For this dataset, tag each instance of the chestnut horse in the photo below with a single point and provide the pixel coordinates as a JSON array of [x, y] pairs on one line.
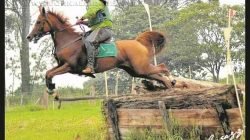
[[133, 56]]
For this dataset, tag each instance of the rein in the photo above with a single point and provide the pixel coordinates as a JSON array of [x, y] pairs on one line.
[[52, 32], [53, 37], [65, 28], [78, 38]]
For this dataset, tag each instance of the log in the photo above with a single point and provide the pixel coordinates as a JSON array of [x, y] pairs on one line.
[[181, 83], [194, 84], [178, 98], [113, 119], [165, 116], [222, 115], [152, 118], [213, 107]]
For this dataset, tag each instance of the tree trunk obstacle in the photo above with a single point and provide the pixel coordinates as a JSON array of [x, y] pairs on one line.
[[209, 105]]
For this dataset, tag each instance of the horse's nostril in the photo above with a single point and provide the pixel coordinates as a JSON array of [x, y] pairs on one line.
[[28, 37]]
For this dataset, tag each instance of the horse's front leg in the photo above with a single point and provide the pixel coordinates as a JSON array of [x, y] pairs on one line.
[[50, 86], [55, 71]]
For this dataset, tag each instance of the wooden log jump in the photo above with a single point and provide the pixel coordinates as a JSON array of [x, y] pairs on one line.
[[215, 109]]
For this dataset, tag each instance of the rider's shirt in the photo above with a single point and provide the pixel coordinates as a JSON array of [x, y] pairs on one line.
[[96, 20]]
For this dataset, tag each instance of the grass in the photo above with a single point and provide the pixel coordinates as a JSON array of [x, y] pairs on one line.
[[239, 79], [178, 133], [32, 122]]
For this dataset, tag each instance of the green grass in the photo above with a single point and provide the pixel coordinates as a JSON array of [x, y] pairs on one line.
[[36, 123], [239, 79]]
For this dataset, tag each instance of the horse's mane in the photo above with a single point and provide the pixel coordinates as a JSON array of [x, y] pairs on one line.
[[62, 19]]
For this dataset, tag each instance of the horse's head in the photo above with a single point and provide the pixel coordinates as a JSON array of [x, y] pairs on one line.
[[41, 27]]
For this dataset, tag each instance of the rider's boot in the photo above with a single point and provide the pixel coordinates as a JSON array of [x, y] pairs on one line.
[[91, 57]]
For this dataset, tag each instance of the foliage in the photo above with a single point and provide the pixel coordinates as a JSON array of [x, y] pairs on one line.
[[239, 78], [41, 58], [12, 45], [170, 4], [127, 24], [198, 40], [33, 122], [19, 12], [18, 98], [72, 92], [124, 83]]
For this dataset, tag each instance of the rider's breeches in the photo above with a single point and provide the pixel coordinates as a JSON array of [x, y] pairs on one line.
[[92, 42]]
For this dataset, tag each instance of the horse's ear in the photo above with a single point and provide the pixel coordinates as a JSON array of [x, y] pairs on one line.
[[42, 10]]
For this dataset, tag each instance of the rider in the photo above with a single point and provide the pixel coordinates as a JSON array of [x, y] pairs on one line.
[[99, 20]]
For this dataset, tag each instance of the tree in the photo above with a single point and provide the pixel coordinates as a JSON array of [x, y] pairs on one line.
[[198, 40], [41, 58], [21, 10], [128, 24], [12, 40], [169, 4]]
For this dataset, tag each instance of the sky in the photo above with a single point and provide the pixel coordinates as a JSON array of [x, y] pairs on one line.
[[77, 8], [232, 2]]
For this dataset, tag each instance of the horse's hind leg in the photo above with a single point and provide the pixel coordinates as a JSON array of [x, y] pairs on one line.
[[129, 70], [156, 77], [149, 69], [152, 71]]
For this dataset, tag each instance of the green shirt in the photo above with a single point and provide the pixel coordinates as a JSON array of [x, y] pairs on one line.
[[93, 7]]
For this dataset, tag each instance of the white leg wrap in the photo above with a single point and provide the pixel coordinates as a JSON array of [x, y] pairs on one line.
[[50, 91]]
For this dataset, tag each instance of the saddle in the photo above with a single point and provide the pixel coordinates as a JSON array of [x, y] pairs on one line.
[[104, 49]]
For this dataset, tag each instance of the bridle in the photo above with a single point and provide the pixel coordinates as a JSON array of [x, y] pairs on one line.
[[52, 32], [41, 31]]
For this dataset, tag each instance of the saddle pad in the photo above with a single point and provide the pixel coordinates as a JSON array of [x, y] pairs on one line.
[[107, 50]]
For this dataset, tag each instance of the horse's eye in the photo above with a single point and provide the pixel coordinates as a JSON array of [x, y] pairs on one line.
[[38, 22]]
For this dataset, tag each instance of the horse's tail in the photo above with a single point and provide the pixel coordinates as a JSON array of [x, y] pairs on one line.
[[152, 39]]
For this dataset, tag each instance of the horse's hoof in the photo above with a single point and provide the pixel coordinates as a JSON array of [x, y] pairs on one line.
[[51, 86], [56, 96], [50, 91]]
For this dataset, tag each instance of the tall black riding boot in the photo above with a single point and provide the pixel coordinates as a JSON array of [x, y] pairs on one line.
[[91, 57]]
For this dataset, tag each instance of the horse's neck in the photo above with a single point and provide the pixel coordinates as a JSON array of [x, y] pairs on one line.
[[64, 37], [63, 34]]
